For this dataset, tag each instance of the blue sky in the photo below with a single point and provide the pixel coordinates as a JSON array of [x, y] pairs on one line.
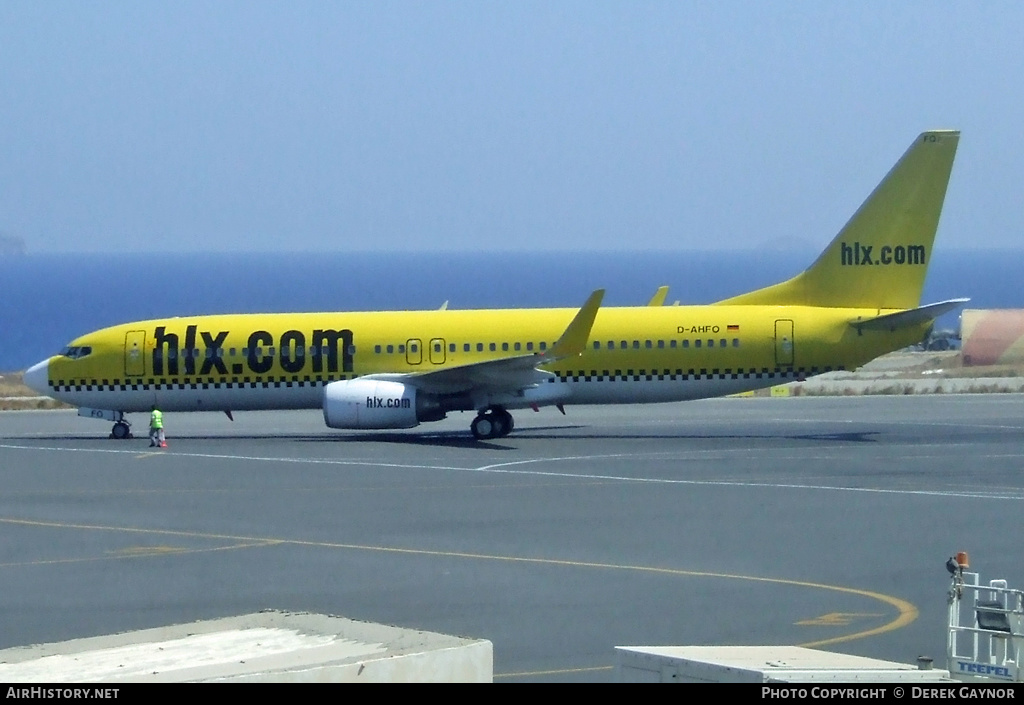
[[140, 126]]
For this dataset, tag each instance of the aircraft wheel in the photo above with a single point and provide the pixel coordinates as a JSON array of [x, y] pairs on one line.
[[496, 423], [507, 422], [121, 431], [482, 427]]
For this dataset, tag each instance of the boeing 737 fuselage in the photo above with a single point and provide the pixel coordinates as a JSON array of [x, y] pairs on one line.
[[386, 370]]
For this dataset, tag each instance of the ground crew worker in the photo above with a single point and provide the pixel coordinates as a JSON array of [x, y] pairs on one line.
[[156, 428]]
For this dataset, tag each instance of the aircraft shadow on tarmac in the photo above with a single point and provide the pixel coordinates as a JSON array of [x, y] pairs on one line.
[[460, 439], [453, 439], [854, 437]]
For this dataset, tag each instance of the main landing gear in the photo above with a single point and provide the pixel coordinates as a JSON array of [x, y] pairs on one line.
[[492, 423]]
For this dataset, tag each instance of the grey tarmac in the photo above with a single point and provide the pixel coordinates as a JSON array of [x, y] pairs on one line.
[[820, 521]]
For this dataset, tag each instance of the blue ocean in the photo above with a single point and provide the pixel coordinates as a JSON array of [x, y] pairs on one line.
[[49, 299]]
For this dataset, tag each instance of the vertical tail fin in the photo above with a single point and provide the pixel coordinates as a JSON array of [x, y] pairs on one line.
[[880, 257]]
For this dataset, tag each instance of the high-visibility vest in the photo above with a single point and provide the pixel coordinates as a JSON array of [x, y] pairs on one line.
[[156, 419]]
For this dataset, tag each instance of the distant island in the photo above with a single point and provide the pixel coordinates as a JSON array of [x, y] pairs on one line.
[[11, 245]]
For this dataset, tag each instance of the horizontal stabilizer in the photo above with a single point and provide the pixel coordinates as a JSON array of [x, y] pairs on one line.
[[910, 317]]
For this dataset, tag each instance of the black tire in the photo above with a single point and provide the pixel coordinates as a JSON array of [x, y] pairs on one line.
[[121, 431], [498, 424], [482, 427], [507, 422]]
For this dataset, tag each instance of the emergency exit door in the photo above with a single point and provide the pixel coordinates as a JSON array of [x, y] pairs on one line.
[[437, 351], [414, 351]]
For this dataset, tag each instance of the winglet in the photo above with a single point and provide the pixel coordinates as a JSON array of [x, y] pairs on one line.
[[574, 339], [659, 297]]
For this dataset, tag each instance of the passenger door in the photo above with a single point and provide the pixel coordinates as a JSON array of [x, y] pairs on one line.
[[784, 343], [134, 353]]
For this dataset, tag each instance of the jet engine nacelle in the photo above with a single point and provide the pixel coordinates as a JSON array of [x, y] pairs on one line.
[[368, 403]]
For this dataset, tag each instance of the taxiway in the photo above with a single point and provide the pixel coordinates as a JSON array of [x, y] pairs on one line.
[[819, 521]]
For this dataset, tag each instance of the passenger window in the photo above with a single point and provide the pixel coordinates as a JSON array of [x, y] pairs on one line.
[[391, 348], [711, 343], [722, 343], [401, 349], [518, 347], [376, 349], [543, 346], [672, 343], [636, 344], [661, 344], [648, 344], [504, 346], [529, 346], [696, 343], [451, 347], [493, 347], [735, 342], [597, 345], [466, 347]]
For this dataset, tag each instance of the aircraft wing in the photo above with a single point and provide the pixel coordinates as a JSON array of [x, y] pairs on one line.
[[507, 373]]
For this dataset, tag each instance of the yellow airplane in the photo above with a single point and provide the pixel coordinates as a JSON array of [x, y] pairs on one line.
[[397, 369]]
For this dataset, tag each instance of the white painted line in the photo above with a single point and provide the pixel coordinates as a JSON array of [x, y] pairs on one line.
[[1012, 494]]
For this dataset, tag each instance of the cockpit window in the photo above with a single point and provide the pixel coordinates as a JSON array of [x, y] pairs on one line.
[[76, 351]]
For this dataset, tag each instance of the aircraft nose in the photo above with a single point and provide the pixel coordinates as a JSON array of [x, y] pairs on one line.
[[37, 377]]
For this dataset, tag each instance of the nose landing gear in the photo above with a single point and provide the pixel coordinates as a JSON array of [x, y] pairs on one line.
[[492, 423], [121, 431]]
